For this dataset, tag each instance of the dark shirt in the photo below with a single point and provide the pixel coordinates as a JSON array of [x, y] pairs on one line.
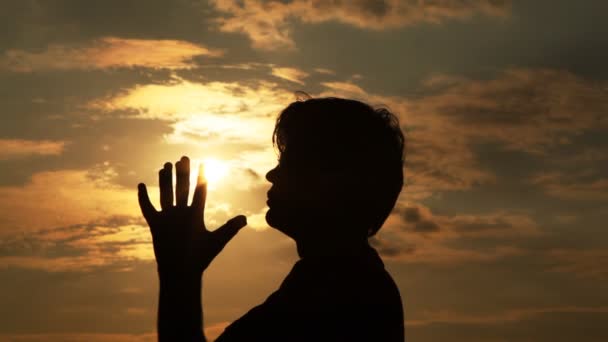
[[350, 298]]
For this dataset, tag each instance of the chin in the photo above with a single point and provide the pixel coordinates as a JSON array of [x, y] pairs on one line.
[[278, 222]]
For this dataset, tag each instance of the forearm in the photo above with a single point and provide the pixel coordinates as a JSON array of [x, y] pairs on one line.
[[180, 314]]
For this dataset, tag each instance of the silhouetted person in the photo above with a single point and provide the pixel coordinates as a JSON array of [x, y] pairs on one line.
[[337, 180]]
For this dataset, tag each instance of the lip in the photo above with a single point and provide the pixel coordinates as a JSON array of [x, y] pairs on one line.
[[271, 200]]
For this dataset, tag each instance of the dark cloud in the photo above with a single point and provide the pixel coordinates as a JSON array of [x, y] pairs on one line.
[[83, 247], [411, 214], [472, 226], [391, 249], [418, 221], [268, 23], [573, 325], [33, 24], [426, 226]]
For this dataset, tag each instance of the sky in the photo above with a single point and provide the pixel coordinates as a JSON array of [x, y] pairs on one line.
[[499, 233]]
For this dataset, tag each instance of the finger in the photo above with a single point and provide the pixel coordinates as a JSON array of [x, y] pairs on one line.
[[200, 193], [226, 232], [165, 183], [182, 184], [147, 209]]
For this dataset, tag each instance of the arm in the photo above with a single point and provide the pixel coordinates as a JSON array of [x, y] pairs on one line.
[[183, 248]]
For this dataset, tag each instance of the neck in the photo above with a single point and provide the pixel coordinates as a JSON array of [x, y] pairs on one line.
[[320, 247]]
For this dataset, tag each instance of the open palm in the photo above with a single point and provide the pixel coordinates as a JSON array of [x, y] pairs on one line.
[[182, 243]]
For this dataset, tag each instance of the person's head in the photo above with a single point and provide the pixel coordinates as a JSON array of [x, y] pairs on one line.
[[340, 168]]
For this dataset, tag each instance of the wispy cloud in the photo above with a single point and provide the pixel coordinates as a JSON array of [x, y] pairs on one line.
[[268, 24], [112, 241], [74, 337], [324, 71], [345, 87], [290, 74], [507, 316], [413, 234], [573, 185], [108, 52], [214, 114], [588, 263], [526, 109], [19, 148], [65, 197], [179, 99]]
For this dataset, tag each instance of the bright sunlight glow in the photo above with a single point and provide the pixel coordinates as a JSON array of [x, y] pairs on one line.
[[215, 170]]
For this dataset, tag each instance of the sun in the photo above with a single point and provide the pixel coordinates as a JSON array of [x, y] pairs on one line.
[[215, 170]]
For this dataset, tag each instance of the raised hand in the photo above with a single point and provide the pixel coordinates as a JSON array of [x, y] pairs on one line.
[[182, 243]]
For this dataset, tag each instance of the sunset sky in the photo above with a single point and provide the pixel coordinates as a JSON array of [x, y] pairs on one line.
[[500, 231]]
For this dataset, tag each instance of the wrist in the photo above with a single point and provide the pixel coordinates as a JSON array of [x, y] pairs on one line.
[[180, 311], [184, 288], [175, 274]]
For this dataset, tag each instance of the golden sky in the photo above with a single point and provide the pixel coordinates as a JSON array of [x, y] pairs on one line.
[[499, 233]]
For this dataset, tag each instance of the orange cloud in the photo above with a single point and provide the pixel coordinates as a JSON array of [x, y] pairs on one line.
[[108, 52], [75, 337], [572, 185], [324, 71], [514, 315], [592, 263], [18, 148], [210, 116], [268, 23], [414, 235], [115, 241], [525, 109], [290, 74], [345, 87], [61, 198]]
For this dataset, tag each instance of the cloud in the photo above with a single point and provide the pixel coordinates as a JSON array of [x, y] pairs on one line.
[[290, 74], [324, 71], [108, 52], [112, 241], [268, 24], [419, 221], [20, 148], [529, 110], [345, 87], [507, 316], [574, 185], [182, 99], [413, 234], [231, 119], [591, 263], [65, 197], [75, 337]]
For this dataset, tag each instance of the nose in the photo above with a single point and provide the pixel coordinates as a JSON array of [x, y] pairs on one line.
[[271, 176]]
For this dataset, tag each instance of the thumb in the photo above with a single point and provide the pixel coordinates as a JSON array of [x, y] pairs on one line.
[[226, 232], [147, 209]]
